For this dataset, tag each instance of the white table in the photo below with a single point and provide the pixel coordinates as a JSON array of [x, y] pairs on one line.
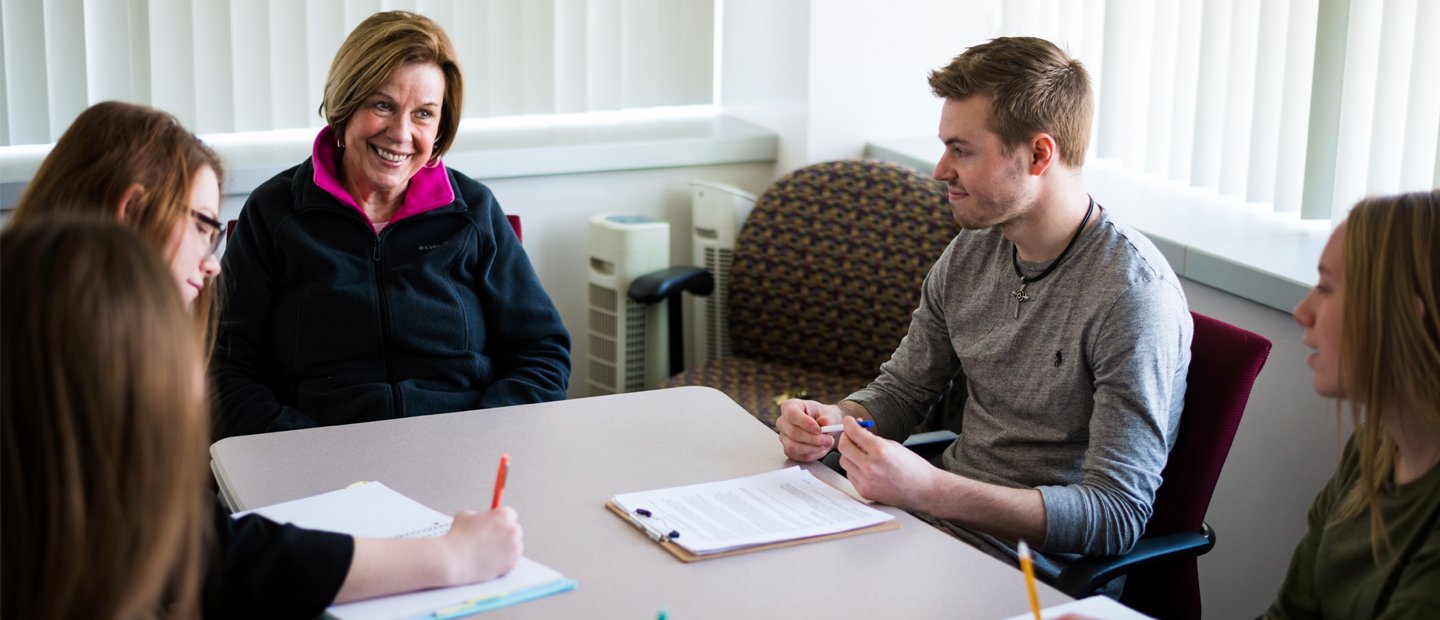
[[568, 458]]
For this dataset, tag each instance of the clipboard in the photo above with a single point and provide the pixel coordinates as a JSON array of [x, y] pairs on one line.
[[684, 555]]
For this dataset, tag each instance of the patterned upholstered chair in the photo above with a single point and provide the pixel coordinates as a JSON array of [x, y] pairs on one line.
[[826, 272]]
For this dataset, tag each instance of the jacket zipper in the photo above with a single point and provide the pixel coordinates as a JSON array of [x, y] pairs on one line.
[[385, 333]]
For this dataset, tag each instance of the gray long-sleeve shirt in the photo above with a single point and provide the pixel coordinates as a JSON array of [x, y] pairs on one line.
[[1079, 397]]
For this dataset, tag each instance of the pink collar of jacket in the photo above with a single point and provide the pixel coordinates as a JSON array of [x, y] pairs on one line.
[[429, 188]]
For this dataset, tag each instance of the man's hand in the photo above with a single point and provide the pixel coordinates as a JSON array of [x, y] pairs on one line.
[[884, 470], [799, 427]]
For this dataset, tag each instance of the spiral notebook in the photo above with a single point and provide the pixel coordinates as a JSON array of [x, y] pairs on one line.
[[373, 510]]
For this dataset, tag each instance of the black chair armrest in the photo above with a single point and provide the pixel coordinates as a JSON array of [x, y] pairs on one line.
[[930, 444], [668, 284], [1086, 575], [656, 286]]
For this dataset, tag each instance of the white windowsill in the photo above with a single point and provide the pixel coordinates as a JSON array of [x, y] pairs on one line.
[[1222, 242], [489, 150]]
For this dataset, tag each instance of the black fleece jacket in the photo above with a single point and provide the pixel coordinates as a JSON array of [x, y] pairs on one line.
[[326, 322]]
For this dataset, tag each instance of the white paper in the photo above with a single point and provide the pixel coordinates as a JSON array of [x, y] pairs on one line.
[[373, 510], [1097, 607], [845, 486], [366, 510], [782, 505]]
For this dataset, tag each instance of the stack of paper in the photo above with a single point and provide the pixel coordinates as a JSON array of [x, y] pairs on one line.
[[776, 508], [373, 510]]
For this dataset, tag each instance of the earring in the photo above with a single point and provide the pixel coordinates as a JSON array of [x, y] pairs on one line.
[[339, 144]]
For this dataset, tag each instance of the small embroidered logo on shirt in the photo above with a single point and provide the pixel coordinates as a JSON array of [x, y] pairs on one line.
[[430, 246], [1058, 359]]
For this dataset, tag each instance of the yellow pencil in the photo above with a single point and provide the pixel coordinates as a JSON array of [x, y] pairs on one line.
[[1027, 566]]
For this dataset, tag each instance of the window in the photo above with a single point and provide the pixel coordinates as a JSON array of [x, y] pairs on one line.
[[225, 66], [1295, 105]]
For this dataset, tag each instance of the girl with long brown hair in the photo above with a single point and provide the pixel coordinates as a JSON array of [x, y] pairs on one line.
[[140, 166], [1373, 544], [104, 427]]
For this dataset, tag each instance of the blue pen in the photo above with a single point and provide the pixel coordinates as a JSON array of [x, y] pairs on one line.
[[835, 428]]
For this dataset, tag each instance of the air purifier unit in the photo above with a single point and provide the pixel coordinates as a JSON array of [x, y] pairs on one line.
[[627, 339], [717, 211]]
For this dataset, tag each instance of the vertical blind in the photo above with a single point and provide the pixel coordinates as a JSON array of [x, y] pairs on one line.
[[255, 65], [1299, 105]]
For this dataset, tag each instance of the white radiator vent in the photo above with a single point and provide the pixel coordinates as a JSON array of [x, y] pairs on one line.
[[717, 211], [627, 342], [715, 331], [635, 347]]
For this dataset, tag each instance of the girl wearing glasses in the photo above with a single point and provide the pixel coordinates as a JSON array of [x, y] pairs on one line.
[[138, 166], [150, 174]]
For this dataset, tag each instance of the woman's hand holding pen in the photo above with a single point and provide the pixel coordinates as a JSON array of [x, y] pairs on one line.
[[799, 428], [479, 547], [483, 545]]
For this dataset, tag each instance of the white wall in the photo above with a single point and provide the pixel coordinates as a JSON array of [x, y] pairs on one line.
[[831, 76], [869, 67], [765, 68], [556, 213]]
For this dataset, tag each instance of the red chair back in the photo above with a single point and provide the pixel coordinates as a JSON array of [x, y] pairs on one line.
[[515, 224], [1224, 361], [513, 219]]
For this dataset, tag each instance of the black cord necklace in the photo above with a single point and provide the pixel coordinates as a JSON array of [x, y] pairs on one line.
[[1019, 293]]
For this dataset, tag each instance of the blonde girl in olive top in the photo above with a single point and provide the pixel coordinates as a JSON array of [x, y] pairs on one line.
[[1372, 549]]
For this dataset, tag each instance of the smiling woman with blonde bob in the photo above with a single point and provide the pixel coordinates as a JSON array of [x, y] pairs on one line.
[[371, 282]]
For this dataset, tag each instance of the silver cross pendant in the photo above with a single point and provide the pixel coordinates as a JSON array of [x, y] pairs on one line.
[[1020, 297]]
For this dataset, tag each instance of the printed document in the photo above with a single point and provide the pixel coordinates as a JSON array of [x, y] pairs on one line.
[[788, 504]]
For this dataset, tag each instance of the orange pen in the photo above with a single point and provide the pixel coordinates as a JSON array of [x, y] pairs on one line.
[[500, 481]]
